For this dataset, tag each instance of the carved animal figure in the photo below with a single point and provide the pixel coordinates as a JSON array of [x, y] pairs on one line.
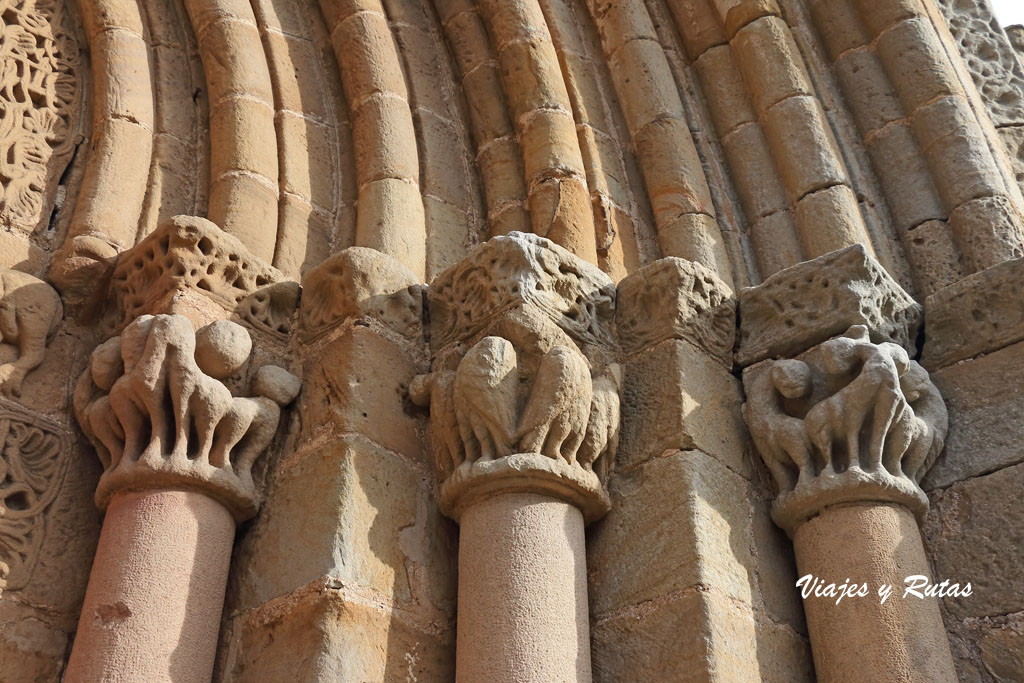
[[874, 394], [484, 393], [780, 438], [436, 390], [932, 421], [30, 312], [554, 421], [602, 436]]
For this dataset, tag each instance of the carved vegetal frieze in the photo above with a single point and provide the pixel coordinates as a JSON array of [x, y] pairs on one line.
[[40, 107], [192, 254], [30, 312], [154, 404], [33, 462], [676, 299], [849, 420], [521, 270], [360, 283]]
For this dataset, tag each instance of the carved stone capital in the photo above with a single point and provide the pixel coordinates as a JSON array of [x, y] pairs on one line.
[[810, 302], [360, 283], [154, 403], [677, 299], [850, 420], [524, 394], [30, 313], [191, 257]]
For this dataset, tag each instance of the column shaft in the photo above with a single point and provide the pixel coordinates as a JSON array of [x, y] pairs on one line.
[[153, 606], [523, 612], [861, 639]]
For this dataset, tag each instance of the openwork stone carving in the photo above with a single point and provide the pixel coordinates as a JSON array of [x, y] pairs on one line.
[[849, 420], [358, 283], [40, 107], [192, 254], [677, 299], [33, 461], [812, 301], [521, 270], [30, 312], [516, 401], [154, 405]]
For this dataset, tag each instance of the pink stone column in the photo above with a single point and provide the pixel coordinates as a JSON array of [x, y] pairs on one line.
[[523, 612], [153, 606], [178, 448]]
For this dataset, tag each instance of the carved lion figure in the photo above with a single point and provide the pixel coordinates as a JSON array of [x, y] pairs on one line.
[[554, 421]]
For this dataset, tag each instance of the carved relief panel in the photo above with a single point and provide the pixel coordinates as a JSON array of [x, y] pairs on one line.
[[40, 107]]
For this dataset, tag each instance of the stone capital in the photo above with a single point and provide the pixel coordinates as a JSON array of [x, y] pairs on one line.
[[524, 392], [848, 421], [155, 403], [190, 266]]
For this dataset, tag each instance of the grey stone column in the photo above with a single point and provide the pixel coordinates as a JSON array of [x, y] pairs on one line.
[[848, 425]]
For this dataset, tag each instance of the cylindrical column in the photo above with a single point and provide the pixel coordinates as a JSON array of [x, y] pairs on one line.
[[522, 583], [153, 606], [863, 638], [177, 447]]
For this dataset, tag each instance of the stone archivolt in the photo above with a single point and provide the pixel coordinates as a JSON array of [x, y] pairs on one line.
[[848, 421], [154, 403], [33, 460]]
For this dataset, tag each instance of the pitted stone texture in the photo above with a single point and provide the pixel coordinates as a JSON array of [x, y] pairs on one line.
[[989, 56], [848, 421], [515, 270], [676, 299], [360, 283], [979, 314], [201, 438], [810, 302], [30, 313], [190, 255]]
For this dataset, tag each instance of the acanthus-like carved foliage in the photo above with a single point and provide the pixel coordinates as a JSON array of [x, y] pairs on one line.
[[30, 312], [40, 107], [154, 404], [33, 460], [850, 420]]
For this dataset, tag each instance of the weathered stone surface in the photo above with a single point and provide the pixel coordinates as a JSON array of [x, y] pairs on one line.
[[521, 269], [979, 314], [679, 521], [975, 532], [32, 649], [327, 631], [356, 283], [986, 416], [676, 299], [696, 636], [810, 302], [1002, 653], [678, 398], [355, 513]]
